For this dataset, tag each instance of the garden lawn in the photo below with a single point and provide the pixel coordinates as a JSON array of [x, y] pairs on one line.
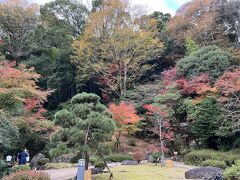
[[143, 172]]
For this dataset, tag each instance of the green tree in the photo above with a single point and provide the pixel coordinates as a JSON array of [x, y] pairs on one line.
[[85, 122], [71, 13], [204, 118], [8, 132], [209, 59], [60, 21], [191, 46], [18, 22]]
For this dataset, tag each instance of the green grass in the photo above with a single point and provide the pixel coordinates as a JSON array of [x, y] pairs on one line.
[[59, 165], [143, 172]]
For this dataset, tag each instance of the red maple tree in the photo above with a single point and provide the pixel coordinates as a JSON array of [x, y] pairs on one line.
[[18, 84], [126, 118], [228, 86], [162, 126]]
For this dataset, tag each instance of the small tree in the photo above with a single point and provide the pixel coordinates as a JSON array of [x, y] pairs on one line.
[[191, 46], [138, 155], [161, 127], [85, 124], [228, 85], [204, 118], [126, 118]]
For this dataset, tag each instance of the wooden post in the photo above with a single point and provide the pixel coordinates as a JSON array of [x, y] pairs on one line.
[[88, 175]]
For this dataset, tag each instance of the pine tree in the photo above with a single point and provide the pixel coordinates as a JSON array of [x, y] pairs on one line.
[[85, 123]]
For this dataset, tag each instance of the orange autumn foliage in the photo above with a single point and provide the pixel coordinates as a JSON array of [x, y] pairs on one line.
[[124, 113], [18, 85]]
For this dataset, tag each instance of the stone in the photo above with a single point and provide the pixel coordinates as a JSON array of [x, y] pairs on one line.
[[35, 160], [97, 170], [128, 162], [206, 173]]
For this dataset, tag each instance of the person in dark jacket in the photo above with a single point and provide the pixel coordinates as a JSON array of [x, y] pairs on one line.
[[22, 157]]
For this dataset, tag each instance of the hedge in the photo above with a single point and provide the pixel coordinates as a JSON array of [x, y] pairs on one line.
[[198, 157], [214, 163], [118, 157], [233, 173]]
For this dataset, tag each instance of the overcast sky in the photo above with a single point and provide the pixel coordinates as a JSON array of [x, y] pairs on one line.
[[166, 6]]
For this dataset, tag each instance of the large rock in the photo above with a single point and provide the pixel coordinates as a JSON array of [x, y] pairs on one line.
[[97, 170], [35, 160], [128, 162], [206, 173]]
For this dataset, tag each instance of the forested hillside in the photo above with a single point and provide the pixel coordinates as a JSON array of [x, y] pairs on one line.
[[75, 80]]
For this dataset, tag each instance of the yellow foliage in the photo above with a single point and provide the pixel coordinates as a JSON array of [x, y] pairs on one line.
[[114, 46]]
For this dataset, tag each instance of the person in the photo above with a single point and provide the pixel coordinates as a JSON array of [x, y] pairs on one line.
[[28, 157], [22, 157]]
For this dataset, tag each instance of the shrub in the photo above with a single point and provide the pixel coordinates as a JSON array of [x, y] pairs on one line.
[[138, 156], [198, 157], [27, 175], [131, 142], [214, 163], [156, 156], [97, 162], [43, 161], [3, 169], [118, 157], [21, 168], [233, 173]]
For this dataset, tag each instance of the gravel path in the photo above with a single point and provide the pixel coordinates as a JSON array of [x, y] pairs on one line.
[[62, 174], [182, 165]]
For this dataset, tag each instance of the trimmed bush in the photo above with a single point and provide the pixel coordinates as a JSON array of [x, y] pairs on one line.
[[233, 173], [131, 142], [156, 157], [27, 175], [198, 157], [118, 157], [214, 163], [21, 168], [43, 161], [97, 162]]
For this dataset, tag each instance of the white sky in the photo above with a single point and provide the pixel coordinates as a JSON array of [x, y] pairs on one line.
[[165, 6]]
